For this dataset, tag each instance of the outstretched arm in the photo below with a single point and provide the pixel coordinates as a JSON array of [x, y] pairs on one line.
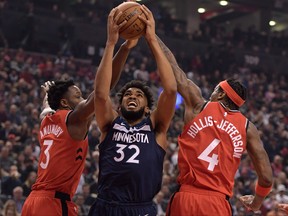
[[263, 169], [187, 88], [85, 110], [103, 106], [120, 59], [46, 109], [164, 112]]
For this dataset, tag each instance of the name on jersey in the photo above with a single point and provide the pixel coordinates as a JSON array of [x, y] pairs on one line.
[[130, 138], [51, 129], [224, 125]]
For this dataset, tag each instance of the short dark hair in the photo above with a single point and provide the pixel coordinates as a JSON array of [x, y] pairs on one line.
[[140, 85], [57, 91], [238, 87]]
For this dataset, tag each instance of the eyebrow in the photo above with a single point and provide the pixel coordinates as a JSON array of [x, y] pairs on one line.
[[137, 91]]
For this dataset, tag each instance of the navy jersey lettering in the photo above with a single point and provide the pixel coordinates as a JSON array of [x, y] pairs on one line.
[[131, 163]]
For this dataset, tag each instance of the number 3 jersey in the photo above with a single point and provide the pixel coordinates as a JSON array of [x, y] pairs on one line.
[[62, 158], [131, 163], [210, 148]]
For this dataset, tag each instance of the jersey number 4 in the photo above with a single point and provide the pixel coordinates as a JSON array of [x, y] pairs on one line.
[[212, 160], [47, 143]]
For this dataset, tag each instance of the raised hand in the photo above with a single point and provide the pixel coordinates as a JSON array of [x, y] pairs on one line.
[[150, 23], [129, 44], [113, 27], [46, 86]]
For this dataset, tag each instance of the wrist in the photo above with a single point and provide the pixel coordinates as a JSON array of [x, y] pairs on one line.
[[152, 39], [262, 191], [125, 47], [110, 44]]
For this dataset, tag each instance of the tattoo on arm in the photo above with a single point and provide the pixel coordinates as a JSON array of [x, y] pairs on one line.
[[178, 72]]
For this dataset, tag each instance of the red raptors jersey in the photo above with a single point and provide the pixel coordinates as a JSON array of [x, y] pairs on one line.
[[62, 158], [210, 148]]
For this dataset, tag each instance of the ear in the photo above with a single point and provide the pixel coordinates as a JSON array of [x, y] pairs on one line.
[[221, 95], [64, 103], [147, 111]]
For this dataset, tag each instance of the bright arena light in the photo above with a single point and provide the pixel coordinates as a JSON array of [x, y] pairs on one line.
[[223, 3], [272, 23], [201, 10]]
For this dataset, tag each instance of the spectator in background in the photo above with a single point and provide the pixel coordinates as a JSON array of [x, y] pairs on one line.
[[89, 198], [14, 116], [27, 185], [10, 208], [3, 113], [18, 198], [6, 159], [83, 209], [281, 196], [11, 181], [277, 165]]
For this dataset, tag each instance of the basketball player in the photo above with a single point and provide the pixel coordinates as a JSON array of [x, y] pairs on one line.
[[133, 138], [64, 144], [214, 138]]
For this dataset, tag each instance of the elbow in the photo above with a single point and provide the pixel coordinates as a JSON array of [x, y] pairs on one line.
[[100, 96], [172, 90]]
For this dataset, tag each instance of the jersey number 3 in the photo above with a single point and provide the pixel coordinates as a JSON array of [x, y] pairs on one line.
[[47, 143], [213, 161]]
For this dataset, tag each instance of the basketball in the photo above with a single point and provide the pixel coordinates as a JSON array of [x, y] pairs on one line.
[[134, 28]]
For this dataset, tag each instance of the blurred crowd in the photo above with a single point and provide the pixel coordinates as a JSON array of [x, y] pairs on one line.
[[22, 72], [93, 13]]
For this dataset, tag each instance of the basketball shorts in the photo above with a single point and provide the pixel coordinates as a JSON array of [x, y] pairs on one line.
[[192, 201], [49, 203], [111, 208]]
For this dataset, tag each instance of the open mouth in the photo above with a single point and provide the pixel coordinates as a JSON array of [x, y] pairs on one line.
[[132, 104]]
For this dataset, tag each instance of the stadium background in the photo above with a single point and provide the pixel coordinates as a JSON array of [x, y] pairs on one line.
[[51, 39]]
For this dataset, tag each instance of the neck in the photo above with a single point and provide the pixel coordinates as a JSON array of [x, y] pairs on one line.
[[133, 122]]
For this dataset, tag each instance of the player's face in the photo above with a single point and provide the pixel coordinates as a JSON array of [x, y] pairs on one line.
[[215, 94], [74, 96], [133, 104]]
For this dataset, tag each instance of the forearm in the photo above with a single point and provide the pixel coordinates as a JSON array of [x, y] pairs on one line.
[[104, 73], [179, 74], [164, 68], [118, 64]]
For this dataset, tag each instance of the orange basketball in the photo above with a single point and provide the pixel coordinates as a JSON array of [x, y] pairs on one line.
[[134, 28]]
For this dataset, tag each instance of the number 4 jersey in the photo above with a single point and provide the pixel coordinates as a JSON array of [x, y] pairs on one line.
[[62, 158], [131, 163], [210, 148]]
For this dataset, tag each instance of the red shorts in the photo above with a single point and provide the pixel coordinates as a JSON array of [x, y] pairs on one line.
[[192, 201], [49, 203]]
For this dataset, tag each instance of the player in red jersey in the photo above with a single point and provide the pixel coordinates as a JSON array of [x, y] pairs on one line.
[[214, 137], [64, 144]]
